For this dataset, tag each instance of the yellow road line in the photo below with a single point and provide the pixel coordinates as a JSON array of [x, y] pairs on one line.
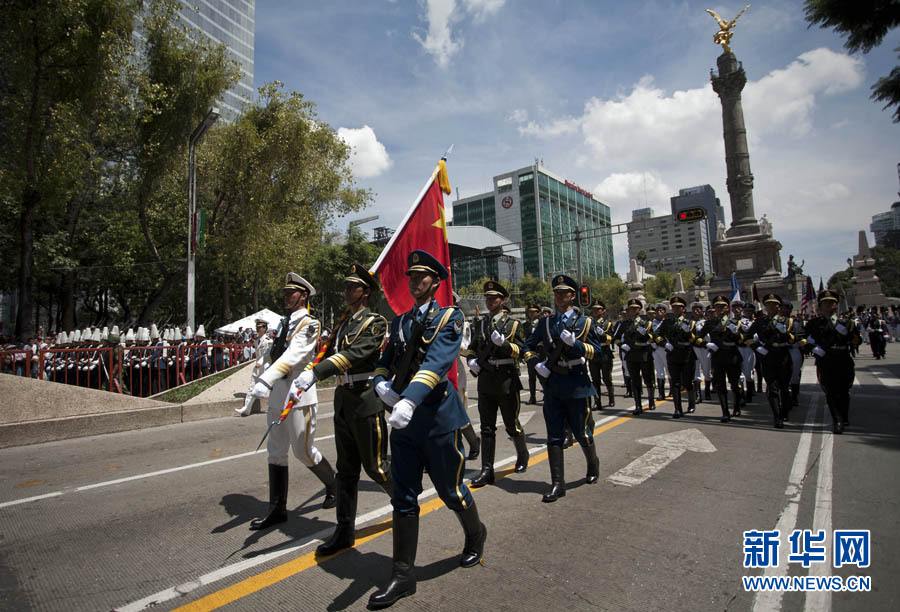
[[257, 582]]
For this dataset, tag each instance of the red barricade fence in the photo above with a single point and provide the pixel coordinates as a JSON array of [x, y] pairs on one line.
[[136, 370]]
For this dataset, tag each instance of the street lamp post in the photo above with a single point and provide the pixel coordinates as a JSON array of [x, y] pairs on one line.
[[207, 122]]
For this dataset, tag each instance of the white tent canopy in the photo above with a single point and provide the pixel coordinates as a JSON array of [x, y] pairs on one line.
[[250, 321]]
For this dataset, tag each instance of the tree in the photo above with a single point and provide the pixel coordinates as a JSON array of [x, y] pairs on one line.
[[865, 23], [532, 290], [611, 291], [841, 281], [887, 267], [660, 288]]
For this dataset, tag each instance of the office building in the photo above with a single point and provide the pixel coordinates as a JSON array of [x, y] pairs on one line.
[[538, 212], [668, 245], [702, 196], [886, 227]]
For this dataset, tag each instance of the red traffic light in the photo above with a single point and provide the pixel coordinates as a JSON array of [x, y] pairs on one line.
[[584, 296], [689, 215]]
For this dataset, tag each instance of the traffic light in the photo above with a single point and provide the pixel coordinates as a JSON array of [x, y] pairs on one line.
[[689, 215], [584, 296]]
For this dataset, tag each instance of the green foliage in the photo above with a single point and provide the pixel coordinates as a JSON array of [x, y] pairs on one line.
[[532, 290], [660, 288], [887, 267], [612, 291], [841, 281], [865, 23]]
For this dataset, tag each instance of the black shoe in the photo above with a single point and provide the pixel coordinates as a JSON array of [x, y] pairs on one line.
[[474, 450], [325, 474], [637, 411], [838, 427], [343, 537], [278, 490], [612, 398], [677, 414], [522, 455], [779, 423], [557, 475], [652, 403], [403, 579], [532, 400], [476, 534], [593, 463], [486, 476], [570, 440]]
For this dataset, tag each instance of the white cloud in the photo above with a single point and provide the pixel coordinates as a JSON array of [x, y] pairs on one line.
[[441, 15], [557, 127], [519, 115], [368, 157], [629, 190]]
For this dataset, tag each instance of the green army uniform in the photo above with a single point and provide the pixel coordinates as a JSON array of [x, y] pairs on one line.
[[360, 430]]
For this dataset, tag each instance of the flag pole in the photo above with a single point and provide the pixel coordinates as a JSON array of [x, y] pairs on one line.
[[409, 213]]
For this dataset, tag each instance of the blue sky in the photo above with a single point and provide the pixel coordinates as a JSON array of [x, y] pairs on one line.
[[612, 95]]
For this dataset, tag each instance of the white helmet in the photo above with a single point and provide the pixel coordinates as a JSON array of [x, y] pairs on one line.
[[95, 337], [189, 333], [62, 338], [154, 332], [129, 336], [115, 331], [76, 336], [201, 333]]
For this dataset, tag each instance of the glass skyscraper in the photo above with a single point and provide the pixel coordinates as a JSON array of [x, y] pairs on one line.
[[540, 211], [230, 22]]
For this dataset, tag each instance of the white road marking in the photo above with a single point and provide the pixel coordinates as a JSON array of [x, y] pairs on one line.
[[246, 564], [886, 378], [108, 483], [770, 601], [666, 449], [820, 601]]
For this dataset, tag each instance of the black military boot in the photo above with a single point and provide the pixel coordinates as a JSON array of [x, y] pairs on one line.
[[593, 462], [403, 578], [473, 440], [325, 474], [759, 381], [278, 490], [628, 391], [723, 402], [748, 391], [570, 438], [697, 397], [651, 399], [486, 476], [737, 403], [476, 534], [637, 402], [531, 398], [611, 396], [557, 475], [522, 455], [344, 535], [776, 410], [661, 385], [676, 399], [707, 396], [795, 395]]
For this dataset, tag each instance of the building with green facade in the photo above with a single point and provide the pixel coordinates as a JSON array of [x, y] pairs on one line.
[[538, 212]]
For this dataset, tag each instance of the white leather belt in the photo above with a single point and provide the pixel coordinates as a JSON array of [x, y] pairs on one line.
[[349, 379], [500, 362], [571, 363]]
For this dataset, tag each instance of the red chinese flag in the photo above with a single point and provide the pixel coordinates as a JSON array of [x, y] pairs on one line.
[[425, 228]]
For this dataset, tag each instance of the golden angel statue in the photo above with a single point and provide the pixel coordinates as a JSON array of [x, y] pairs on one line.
[[723, 36]]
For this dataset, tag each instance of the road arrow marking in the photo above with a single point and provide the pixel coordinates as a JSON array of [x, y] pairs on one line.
[[666, 449]]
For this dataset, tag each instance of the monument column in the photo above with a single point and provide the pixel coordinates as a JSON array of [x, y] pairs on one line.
[[728, 84]]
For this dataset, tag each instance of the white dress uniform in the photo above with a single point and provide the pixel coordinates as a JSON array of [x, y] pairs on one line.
[[298, 431], [748, 356], [702, 354], [262, 350], [659, 353]]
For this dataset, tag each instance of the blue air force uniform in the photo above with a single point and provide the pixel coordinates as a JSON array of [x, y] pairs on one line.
[[424, 344], [568, 391]]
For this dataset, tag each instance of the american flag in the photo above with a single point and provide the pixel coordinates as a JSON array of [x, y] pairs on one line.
[[808, 303]]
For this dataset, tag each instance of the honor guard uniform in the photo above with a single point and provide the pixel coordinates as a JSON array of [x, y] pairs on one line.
[[601, 365], [568, 339], [702, 355], [659, 350], [411, 376], [748, 355], [462, 384], [798, 341], [532, 318], [292, 351], [678, 336], [360, 429], [723, 336], [832, 337], [635, 341], [497, 341], [773, 338], [263, 346]]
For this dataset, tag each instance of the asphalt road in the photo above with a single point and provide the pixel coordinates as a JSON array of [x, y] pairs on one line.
[[158, 517]]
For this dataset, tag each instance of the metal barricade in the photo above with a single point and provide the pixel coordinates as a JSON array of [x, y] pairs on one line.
[[83, 367], [16, 361]]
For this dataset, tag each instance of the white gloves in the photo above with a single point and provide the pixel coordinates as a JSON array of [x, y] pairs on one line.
[[302, 383], [402, 414], [473, 366], [811, 341], [642, 331], [712, 346], [733, 328], [542, 369], [625, 348], [841, 329], [669, 347], [497, 338], [386, 393], [818, 351], [686, 327], [568, 337], [762, 350], [260, 390]]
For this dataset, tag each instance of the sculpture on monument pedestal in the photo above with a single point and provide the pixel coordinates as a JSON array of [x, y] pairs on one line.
[[793, 269], [723, 36], [765, 226]]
